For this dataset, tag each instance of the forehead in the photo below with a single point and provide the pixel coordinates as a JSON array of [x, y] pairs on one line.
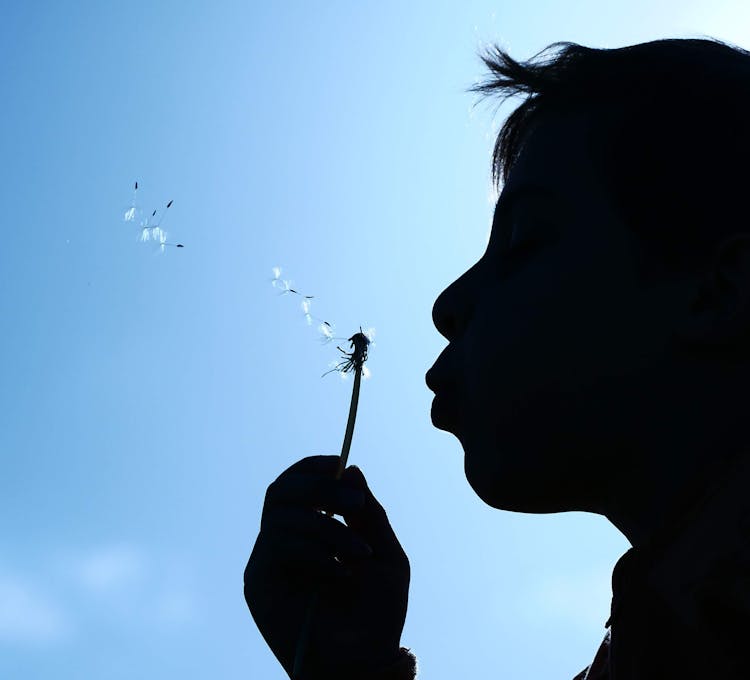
[[555, 155]]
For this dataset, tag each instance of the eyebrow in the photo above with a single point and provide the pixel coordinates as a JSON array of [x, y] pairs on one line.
[[509, 198]]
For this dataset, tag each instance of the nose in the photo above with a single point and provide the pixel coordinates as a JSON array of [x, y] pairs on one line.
[[452, 310]]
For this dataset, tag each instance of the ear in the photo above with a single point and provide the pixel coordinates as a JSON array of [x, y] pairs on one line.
[[718, 311]]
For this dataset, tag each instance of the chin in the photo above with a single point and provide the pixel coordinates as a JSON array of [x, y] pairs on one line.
[[487, 482], [513, 487]]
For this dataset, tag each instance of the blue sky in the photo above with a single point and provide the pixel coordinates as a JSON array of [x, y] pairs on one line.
[[148, 400]]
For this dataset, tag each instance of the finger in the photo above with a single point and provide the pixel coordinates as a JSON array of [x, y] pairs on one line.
[[312, 491], [305, 560], [290, 523], [323, 465], [371, 521]]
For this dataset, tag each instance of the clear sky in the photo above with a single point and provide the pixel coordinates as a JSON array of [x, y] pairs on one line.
[[148, 400]]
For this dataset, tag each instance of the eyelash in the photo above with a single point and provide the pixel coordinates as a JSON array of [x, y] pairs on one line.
[[515, 253]]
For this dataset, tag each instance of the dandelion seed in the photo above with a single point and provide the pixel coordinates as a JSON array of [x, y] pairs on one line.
[[163, 243], [333, 367], [280, 284], [326, 332], [150, 230], [161, 219], [131, 212], [284, 286], [147, 229]]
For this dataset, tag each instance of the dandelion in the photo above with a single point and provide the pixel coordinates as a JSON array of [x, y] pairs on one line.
[[352, 361], [355, 359]]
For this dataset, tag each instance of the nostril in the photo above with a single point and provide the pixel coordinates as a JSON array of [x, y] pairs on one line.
[[449, 328], [444, 322], [450, 313]]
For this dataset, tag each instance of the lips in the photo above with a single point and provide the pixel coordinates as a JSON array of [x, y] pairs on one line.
[[445, 412], [438, 379]]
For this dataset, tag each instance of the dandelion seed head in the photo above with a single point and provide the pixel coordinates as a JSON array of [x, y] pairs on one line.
[[130, 214], [349, 361], [336, 367]]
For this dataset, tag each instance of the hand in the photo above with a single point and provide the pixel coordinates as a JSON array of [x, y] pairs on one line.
[[359, 618]]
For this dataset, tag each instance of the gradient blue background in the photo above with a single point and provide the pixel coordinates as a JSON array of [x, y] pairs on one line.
[[147, 401]]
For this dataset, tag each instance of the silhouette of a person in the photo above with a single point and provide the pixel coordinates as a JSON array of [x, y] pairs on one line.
[[574, 382]]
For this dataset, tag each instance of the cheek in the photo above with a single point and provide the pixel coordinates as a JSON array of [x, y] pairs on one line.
[[533, 457], [509, 355], [523, 373]]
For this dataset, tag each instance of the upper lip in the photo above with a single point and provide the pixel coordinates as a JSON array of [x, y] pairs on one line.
[[438, 379]]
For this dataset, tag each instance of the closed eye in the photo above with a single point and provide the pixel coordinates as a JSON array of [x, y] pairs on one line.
[[518, 251]]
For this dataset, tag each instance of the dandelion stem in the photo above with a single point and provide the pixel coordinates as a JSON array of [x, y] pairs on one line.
[[299, 655], [349, 425], [303, 640]]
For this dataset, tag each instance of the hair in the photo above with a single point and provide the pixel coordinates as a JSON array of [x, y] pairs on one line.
[[669, 133]]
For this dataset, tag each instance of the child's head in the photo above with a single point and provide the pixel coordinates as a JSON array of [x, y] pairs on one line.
[[598, 351]]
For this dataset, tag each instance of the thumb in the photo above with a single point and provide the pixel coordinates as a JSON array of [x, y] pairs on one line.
[[371, 521]]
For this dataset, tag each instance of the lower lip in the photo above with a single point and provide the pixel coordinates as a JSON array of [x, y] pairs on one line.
[[444, 412]]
